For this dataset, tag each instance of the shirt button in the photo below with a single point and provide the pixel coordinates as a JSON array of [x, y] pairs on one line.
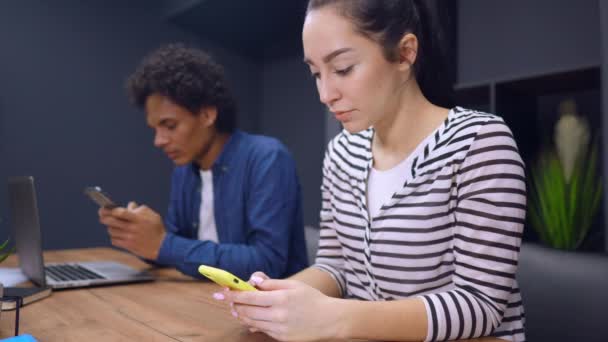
[[195, 224]]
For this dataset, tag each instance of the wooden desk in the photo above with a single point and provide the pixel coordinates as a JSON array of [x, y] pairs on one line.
[[172, 308]]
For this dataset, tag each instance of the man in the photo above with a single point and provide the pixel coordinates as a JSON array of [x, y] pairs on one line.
[[235, 197]]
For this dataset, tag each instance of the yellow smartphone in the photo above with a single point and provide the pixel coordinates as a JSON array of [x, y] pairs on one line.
[[225, 279]]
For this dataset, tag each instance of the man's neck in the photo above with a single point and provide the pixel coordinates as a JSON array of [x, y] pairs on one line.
[[213, 150]]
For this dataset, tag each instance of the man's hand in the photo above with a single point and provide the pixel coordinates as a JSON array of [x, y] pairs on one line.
[[138, 229]]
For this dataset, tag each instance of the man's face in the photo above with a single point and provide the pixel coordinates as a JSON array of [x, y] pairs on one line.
[[184, 136]]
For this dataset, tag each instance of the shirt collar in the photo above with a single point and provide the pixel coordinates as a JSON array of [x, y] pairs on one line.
[[223, 161]]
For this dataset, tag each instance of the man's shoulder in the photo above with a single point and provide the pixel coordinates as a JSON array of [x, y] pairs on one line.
[[260, 152], [261, 145]]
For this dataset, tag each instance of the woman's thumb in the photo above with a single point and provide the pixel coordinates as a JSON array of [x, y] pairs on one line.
[[257, 278], [275, 284]]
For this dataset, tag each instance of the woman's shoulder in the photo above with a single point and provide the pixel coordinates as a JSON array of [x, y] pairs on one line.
[[481, 135], [465, 117], [466, 132], [359, 143], [350, 152], [468, 124]]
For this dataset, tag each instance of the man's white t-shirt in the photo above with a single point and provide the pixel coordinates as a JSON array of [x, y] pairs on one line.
[[206, 223]]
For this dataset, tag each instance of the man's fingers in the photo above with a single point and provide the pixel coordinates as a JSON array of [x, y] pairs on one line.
[[119, 233], [132, 206], [104, 212], [112, 221], [124, 214], [120, 243], [143, 209]]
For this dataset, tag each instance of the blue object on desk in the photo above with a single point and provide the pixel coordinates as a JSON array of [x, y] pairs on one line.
[[20, 338]]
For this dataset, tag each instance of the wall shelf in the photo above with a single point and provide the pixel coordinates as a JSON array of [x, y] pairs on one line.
[[529, 105]]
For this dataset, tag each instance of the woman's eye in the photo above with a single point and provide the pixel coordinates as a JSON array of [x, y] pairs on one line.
[[344, 72], [315, 75]]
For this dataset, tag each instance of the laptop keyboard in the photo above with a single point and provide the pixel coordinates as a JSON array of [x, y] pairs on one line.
[[70, 272]]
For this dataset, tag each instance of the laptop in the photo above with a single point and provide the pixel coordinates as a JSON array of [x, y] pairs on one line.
[[28, 240]]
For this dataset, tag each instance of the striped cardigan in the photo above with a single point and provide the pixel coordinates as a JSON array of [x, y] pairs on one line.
[[449, 235]]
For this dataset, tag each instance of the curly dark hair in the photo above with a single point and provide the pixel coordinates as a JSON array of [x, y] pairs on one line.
[[187, 76]]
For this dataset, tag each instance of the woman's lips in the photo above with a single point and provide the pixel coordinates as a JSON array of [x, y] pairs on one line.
[[343, 115]]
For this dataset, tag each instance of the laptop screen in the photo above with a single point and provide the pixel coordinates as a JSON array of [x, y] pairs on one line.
[[25, 226]]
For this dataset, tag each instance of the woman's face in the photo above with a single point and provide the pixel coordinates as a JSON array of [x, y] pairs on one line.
[[354, 79]]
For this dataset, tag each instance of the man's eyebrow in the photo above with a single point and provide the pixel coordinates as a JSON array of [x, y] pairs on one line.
[[162, 122]]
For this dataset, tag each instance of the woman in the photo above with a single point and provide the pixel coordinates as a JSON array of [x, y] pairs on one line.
[[422, 213]]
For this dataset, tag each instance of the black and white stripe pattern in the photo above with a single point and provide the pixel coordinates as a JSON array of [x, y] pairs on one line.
[[450, 235]]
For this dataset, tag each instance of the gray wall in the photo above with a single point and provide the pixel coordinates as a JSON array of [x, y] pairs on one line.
[[509, 39], [503, 40], [64, 117], [291, 111], [332, 127]]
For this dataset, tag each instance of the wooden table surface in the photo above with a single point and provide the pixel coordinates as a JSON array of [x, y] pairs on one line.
[[172, 308]]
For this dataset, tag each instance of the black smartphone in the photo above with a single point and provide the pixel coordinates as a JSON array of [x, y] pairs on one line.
[[100, 197]]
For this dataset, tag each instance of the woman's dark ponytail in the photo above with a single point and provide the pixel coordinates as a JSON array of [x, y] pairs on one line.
[[432, 71]]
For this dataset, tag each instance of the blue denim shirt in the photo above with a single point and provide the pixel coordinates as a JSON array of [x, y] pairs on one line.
[[257, 208]]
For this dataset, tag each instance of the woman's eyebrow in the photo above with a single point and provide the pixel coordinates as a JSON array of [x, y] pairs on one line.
[[329, 56]]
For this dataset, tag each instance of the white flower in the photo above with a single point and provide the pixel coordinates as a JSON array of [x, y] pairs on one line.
[[571, 136]]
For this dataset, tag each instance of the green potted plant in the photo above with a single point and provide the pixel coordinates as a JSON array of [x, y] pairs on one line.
[[564, 188], [564, 194], [4, 253]]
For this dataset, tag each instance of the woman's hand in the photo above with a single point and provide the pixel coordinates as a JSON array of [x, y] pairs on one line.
[[287, 310]]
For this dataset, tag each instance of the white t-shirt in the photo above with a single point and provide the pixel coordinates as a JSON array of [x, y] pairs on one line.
[[381, 185], [206, 225]]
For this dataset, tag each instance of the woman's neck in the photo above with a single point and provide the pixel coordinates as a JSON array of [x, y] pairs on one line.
[[401, 130]]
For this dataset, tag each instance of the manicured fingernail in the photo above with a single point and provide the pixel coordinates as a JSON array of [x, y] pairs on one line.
[[257, 280], [234, 313], [231, 305], [219, 296]]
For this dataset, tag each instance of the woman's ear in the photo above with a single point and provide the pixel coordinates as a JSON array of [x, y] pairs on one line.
[[408, 51]]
